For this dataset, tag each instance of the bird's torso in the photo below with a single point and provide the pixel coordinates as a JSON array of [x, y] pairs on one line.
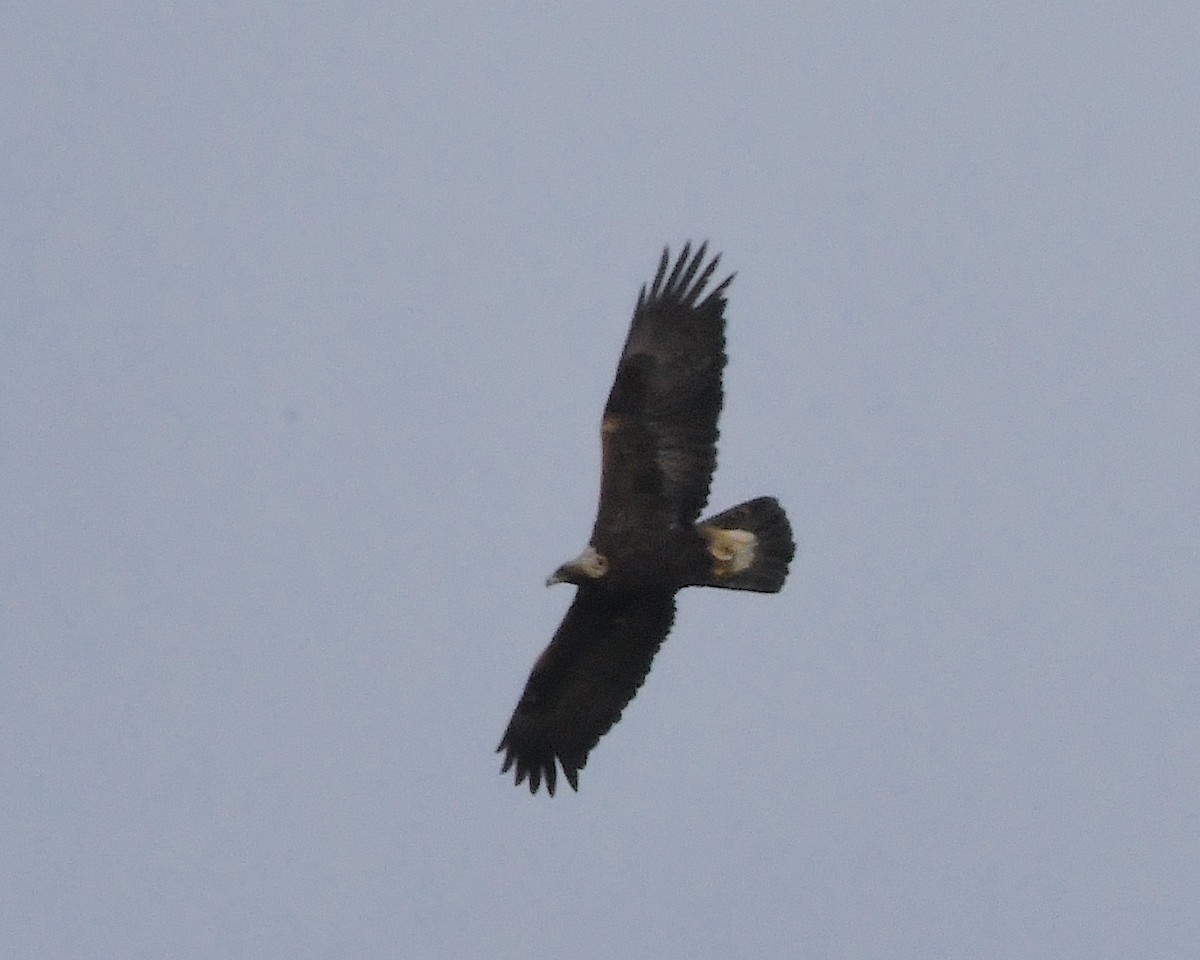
[[665, 558]]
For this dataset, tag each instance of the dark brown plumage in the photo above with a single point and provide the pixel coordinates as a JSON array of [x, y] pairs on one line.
[[659, 435]]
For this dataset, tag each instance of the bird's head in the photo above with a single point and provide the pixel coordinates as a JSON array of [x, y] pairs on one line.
[[589, 565]]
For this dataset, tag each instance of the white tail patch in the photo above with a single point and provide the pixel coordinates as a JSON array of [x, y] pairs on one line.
[[733, 550]]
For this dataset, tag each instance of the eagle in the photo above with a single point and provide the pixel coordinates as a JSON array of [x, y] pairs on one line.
[[659, 451]]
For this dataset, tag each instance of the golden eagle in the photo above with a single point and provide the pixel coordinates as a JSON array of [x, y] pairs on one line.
[[659, 436]]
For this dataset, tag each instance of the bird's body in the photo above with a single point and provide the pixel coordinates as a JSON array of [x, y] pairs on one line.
[[658, 438]]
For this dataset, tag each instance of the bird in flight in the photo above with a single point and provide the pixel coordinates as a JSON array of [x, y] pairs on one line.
[[659, 451]]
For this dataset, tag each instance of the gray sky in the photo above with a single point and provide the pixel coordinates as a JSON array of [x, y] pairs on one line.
[[307, 314]]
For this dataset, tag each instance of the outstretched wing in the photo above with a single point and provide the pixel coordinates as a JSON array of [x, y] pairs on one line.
[[660, 423], [592, 668]]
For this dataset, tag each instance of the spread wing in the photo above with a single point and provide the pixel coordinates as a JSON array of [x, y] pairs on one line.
[[592, 668], [659, 431]]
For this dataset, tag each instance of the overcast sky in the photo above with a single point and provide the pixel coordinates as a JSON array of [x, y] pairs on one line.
[[307, 315]]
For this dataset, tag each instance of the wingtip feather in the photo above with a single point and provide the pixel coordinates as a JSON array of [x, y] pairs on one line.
[[677, 270], [536, 770], [656, 287], [686, 278]]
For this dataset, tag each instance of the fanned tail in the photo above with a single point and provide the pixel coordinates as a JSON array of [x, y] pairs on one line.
[[750, 546]]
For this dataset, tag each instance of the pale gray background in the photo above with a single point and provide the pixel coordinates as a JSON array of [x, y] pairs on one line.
[[307, 314]]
